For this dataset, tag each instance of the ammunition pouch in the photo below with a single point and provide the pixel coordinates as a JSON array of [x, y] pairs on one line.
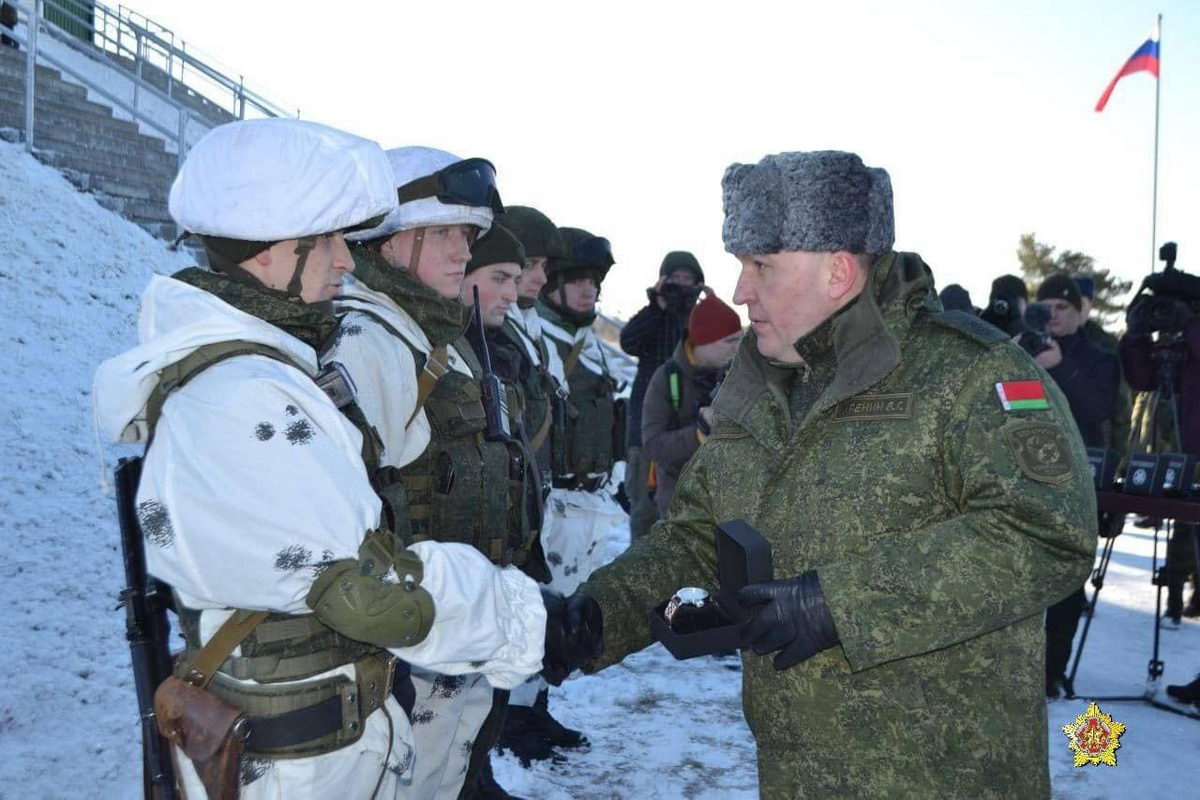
[[452, 488], [591, 432]]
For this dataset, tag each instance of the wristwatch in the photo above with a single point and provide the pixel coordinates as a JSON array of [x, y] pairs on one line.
[[687, 596]]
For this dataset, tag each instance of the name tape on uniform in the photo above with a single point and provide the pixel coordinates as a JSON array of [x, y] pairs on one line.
[[875, 406]]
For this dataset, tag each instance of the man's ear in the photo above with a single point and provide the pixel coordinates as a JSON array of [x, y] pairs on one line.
[[844, 274], [263, 258]]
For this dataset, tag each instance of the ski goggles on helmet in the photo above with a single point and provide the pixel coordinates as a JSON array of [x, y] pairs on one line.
[[594, 250], [470, 182]]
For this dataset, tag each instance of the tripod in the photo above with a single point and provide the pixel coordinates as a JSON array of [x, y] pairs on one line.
[[1168, 357]]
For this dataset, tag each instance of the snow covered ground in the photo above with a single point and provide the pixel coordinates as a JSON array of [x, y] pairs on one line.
[[70, 276]]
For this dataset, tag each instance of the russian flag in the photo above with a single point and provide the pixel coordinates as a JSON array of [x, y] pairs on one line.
[[1144, 59]]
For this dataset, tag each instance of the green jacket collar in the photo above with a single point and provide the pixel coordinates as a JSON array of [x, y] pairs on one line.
[[861, 344], [442, 320], [568, 320], [312, 324]]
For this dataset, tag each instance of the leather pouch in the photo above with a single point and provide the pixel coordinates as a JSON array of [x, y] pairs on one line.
[[203, 726]]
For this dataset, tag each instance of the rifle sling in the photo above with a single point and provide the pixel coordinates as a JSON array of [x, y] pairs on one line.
[[222, 644], [573, 357], [436, 362], [538, 438]]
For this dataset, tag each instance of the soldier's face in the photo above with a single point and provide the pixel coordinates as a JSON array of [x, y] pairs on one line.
[[1064, 318], [786, 295], [442, 262], [324, 268], [497, 291], [533, 278], [581, 294]]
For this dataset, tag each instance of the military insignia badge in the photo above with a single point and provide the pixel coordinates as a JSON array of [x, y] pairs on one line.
[[1042, 450], [1094, 737], [1022, 395]]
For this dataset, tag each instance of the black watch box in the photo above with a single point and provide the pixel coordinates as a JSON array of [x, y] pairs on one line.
[[743, 557], [1102, 466]]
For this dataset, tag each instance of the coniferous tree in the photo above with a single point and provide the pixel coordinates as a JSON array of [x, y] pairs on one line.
[[1038, 261]]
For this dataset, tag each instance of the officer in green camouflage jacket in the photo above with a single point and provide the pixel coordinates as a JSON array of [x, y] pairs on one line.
[[922, 508]]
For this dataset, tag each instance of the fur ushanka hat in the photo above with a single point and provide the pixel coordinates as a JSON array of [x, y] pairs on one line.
[[823, 201]]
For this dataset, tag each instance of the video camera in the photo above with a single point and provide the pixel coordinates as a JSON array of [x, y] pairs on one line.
[[1032, 336], [1004, 312], [1166, 300], [679, 298]]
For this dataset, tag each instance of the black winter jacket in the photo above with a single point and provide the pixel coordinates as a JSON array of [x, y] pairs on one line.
[[1089, 377]]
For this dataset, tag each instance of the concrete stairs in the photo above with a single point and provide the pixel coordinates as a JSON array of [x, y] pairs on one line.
[[128, 172]]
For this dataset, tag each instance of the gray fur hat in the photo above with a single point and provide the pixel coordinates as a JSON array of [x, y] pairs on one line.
[[821, 201]]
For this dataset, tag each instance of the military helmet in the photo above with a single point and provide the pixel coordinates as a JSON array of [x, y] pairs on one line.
[[537, 233], [587, 256], [437, 188], [251, 183], [241, 182]]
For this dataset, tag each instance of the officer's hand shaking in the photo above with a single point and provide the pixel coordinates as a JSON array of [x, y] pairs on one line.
[[792, 617], [574, 634]]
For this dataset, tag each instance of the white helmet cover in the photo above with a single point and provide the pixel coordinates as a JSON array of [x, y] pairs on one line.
[[408, 164], [267, 180]]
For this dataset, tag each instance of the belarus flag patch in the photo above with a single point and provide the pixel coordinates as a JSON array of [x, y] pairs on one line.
[[1022, 395]]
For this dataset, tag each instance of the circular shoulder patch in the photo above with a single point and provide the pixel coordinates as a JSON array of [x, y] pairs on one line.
[[1042, 450]]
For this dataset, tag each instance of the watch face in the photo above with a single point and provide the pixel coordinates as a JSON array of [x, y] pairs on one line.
[[692, 596], [1139, 477]]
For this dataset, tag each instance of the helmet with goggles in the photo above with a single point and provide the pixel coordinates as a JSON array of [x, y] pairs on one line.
[[436, 188]]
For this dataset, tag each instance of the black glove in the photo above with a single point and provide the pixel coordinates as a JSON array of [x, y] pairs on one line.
[[793, 617], [574, 634]]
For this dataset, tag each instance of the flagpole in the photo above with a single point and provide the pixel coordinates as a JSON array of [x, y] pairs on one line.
[[1154, 195]]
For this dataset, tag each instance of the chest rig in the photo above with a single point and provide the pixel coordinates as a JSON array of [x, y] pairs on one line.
[[461, 488], [541, 396], [592, 431]]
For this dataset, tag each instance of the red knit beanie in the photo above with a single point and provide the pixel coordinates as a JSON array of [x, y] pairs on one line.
[[712, 320]]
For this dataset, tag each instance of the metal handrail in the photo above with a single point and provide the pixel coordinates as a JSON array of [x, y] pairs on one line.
[[33, 21], [111, 29]]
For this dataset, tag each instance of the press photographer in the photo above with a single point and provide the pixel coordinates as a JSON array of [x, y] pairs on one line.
[[1160, 353], [651, 337], [1089, 377]]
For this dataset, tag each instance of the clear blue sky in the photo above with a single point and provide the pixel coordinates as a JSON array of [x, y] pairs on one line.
[[621, 117]]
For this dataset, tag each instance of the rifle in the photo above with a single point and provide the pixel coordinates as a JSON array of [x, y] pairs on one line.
[[495, 396], [146, 601]]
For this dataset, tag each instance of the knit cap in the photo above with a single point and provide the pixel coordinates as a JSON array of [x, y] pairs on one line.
[[712, 320], [1060, 286]]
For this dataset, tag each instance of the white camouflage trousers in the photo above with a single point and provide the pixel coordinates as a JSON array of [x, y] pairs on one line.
[[447, 715]]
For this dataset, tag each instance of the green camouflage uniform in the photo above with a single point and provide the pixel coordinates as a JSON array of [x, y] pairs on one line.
[[941, 526]]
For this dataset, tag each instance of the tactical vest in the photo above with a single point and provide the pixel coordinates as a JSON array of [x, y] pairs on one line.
[[286, 647], [461, 488], [538, 392], [593, 429]]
